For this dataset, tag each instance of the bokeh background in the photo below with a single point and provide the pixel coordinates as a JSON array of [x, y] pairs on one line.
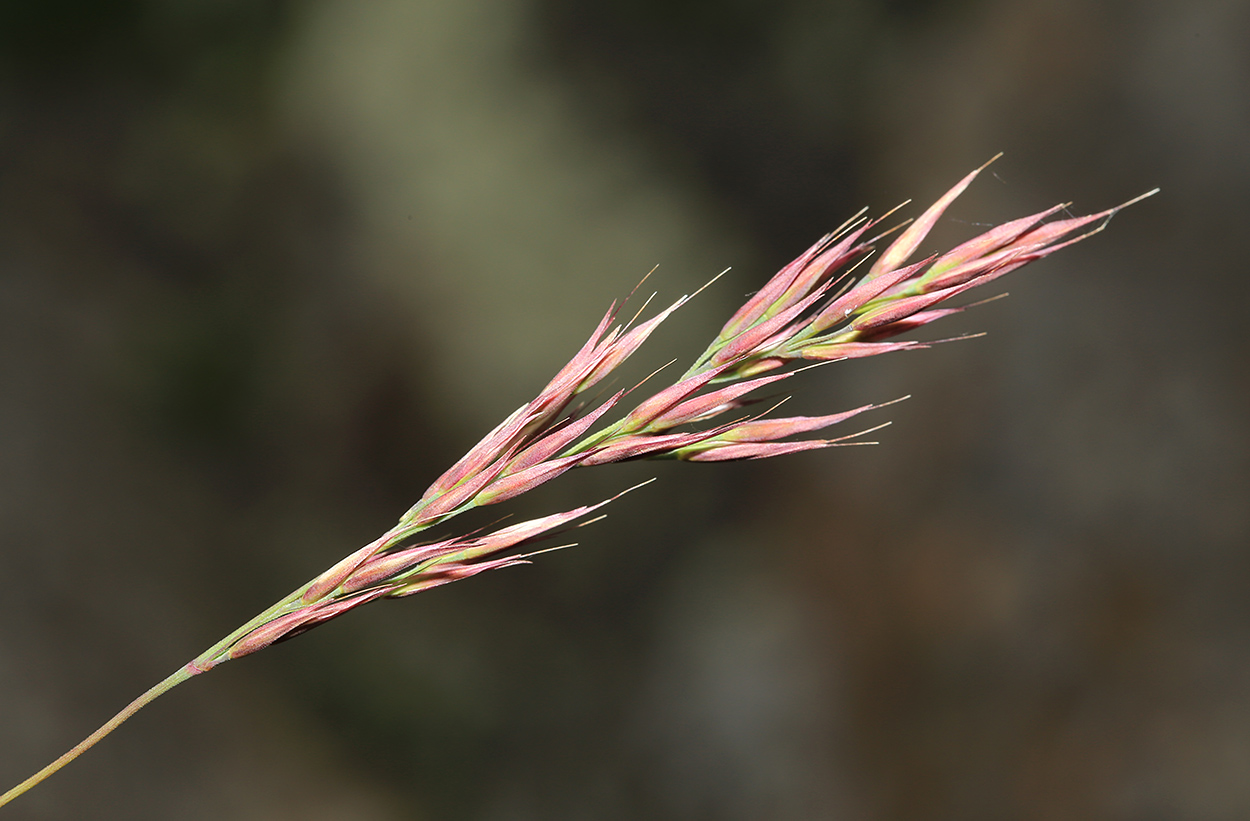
[[267, 268]]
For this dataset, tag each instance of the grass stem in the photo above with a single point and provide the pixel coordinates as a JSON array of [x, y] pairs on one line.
[[185, 672]]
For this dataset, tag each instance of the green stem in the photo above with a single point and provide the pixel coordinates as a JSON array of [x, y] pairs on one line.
[[210, 658], [112, 724]]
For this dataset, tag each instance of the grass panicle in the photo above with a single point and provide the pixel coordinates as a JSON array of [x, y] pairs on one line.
[[815, 309]]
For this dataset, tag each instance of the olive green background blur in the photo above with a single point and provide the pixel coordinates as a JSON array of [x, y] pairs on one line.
[[267, 268]]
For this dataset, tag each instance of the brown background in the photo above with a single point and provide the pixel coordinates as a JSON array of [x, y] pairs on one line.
[[267, 268]]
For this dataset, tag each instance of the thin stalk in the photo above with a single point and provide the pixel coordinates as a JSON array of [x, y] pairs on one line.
[[202, 663], [210, 658], [112, 724]]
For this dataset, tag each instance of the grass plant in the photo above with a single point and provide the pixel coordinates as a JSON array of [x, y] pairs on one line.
[[835, 301]]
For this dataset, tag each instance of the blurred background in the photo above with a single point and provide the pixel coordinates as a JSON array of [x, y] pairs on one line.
[[267, 268]]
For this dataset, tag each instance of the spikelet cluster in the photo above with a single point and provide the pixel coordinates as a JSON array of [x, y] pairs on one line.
[[819, 308]]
